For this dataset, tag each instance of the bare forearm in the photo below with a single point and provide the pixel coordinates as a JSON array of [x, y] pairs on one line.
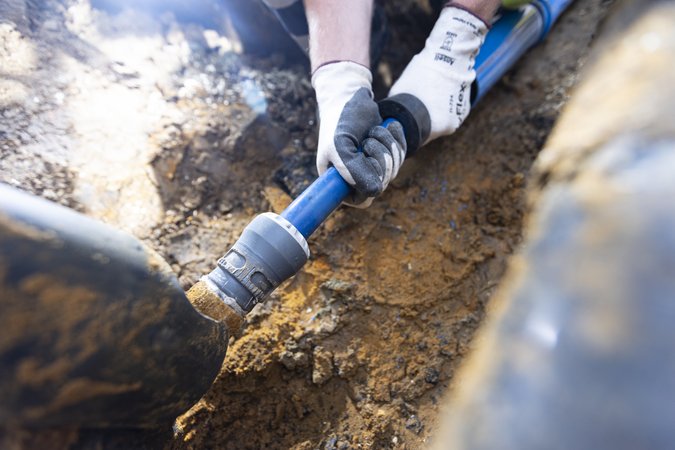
[[339, 30]]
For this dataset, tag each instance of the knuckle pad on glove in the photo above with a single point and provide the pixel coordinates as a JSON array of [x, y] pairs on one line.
[[396, 130], [389, 136], [367, 173], [374, 147], [376, 150], [381, 134]]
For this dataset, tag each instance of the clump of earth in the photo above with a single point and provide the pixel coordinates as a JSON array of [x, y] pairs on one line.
[[162, 126]]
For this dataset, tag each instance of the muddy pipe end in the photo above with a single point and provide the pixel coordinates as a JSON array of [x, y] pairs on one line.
[[269, 251], [210, 305]]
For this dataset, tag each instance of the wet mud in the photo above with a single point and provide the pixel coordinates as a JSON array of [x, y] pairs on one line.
[[360, 348]]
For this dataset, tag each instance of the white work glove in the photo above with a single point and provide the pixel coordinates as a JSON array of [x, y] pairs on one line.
[[365, 154], [442, 73]]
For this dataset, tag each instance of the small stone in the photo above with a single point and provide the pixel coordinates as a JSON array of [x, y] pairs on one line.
[[414, 424], [431, 375], [328, 324], [331, 443], [310, 142], [286, 358], [346, 363], [337, 286], [323, 366], [292, 361], [495, 218], [381, 392], [518, 180]]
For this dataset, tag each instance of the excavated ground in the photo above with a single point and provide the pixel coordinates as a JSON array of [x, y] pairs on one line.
[[182, 141]]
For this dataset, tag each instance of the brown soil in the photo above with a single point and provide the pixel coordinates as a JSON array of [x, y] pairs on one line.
[[358, 350]]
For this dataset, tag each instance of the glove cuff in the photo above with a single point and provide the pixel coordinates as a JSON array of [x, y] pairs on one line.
[[340, 79], [341, 63]]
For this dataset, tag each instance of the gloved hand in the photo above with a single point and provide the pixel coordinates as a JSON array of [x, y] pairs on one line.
[[349, 119], [442, 73]]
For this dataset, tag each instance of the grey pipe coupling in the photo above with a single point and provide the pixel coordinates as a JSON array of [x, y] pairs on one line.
[[269, 251]]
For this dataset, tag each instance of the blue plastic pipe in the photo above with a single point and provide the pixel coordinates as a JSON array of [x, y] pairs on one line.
[[511, 36]]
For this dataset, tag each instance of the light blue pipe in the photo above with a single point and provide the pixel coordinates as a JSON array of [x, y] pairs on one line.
[[511, 36], [317, 202]]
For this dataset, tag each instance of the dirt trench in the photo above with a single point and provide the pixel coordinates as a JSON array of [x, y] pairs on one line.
[[359, 349]]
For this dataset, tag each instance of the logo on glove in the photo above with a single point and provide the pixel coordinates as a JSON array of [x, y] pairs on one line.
[[448, 41], [444, 58]]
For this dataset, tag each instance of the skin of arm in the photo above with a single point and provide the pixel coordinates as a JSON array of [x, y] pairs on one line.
[[339, 30]]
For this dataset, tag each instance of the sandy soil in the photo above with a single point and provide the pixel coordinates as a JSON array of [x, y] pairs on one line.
[[182, 141]]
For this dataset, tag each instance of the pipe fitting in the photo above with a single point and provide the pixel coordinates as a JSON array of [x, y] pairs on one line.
[[269, 251]]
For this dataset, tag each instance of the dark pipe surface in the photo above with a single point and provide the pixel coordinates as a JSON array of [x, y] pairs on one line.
[[96, 330]]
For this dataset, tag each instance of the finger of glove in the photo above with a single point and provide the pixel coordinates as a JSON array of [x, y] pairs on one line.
[[396, 130], [367, 172], [359, 114], [393, 139], [376, 149], [340, 134]]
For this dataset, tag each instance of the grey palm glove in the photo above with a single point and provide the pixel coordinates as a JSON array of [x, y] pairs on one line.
[[349, 118]]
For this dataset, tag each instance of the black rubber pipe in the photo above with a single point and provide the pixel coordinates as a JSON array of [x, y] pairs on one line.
[[96, 330]]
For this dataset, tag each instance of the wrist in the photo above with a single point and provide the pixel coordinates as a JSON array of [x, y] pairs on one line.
[[334, 81], [339, 31]]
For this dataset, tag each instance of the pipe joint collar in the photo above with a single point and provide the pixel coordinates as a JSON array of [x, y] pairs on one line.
[[269, 251]]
